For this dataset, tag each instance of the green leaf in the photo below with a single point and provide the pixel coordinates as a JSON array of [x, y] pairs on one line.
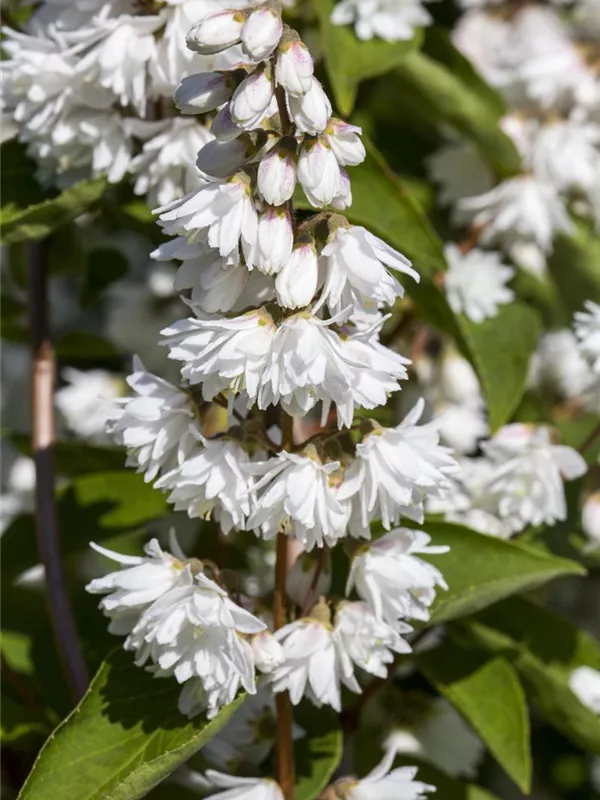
[[544, 648], [124, 738], [489, 695], [481, 570], [74, 458], [500, 349], [38, 220], [104, 266], [18, 185], [349, 60], [575, 266], [319, 753], [432, 93], [94, 506], [18, 721]]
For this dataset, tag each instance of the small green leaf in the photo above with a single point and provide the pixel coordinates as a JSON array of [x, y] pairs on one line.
[[350, 60], [481, 570], [124, 738], [500, 349], [545, 649], [489, 695], [104, 266], [39, 220], [319, 753]]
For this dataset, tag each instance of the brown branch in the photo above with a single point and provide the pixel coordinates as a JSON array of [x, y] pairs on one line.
[[591, 439], [43, 377], [310, 598], [285, 744]]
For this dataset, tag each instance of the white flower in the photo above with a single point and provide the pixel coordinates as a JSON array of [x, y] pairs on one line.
[[216, 31], [397, 468], [476, 282], [389, 576], [381, 784], [344, 139], [590, 520], [277, 176], [219, 159], [157, 426], [310, 111], [133, 589], [391, 20], [521, 209], [300, 579], [251, 99], [261, 33], [85, 402], [528, 474], [297, 280], [204, 91], [565, 153], [299, 493], [318, 172], [366, 641], [275, 239], [230, 787], [460, 171], [312, 666], [354, 264], [212, 478], [268, 653], [585, 684], [587, 330], [223, 127], [294, 68], [224, 209]]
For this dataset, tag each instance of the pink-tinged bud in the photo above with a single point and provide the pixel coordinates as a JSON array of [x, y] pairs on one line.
[[344, 198], [344, 140], [277, 176], [294, 69], [251, 99], [261, 33], [299, 580], [216, 31], [220, 159], [318, 172], [297, 281], [268, 653], [204, 91], [223, 127], [310, 111], [275, 239], [590, 520]]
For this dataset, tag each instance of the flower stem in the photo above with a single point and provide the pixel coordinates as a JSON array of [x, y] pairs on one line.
[[285, 745]]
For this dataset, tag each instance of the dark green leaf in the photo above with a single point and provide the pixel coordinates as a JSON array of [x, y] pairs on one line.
[[104, 266], [18, 185], [73, 458], [319, 753], [19, 721], [349, 60], [480, 570], [39, 220], [489, 695], [500, 349], [124, 738], [575, 267], [545, 649]]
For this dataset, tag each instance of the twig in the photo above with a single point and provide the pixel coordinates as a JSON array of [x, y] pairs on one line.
[[285, 744], [591, 439], [309, 600], [43, 376]]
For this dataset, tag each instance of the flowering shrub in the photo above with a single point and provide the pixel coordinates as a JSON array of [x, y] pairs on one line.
[[328, 400]]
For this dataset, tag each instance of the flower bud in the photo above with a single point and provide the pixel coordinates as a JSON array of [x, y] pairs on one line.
[[294, 68], [261, 33], [590, 520], [220, 159], [223, 127], [268, 653], [297, 281], [277, 176], [344, 140], [251, 99], [204, 91], [318, 172], [275, 240], [344, 198], [216, 31], [310, 111], [299, 580]]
